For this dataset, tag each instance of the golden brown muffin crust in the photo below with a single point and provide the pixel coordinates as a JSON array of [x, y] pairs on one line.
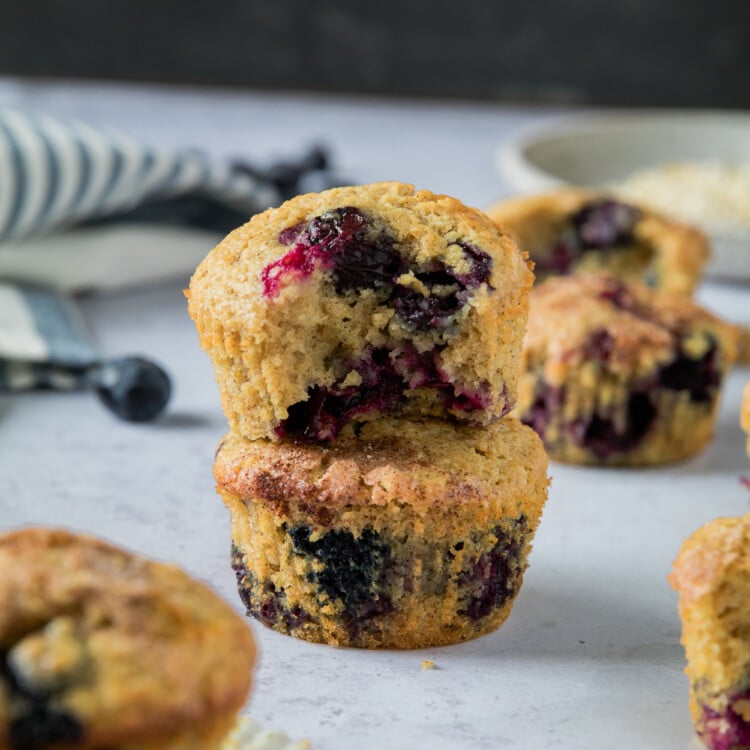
[[137, 649], [424, 464], [642, 334], [535, 222]]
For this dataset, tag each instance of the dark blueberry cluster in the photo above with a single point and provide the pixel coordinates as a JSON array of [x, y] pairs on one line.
[[727, 730], [386, 375], [597, 225], [493, 578], [700, 377], [359, 256], [264, 601], [36, 723], [603, 438], [354, 571]]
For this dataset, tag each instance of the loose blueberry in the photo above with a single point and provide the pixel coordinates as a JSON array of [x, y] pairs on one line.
[[134, 388]]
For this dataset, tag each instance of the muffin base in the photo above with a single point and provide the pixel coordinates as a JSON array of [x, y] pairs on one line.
[[398, 535], [371, 589], [616, 423]]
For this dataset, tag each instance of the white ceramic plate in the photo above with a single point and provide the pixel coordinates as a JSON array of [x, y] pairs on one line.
[[601, 150]]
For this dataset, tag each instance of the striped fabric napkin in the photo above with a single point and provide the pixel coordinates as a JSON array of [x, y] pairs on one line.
[[83, 208], [43, 341]]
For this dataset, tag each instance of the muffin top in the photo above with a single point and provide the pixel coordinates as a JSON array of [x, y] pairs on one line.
[[425, 464], [555, 228], [102, 647], [629, 328], [399, 233]]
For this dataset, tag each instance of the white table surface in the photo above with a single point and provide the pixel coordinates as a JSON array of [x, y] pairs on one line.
[[590, 656]]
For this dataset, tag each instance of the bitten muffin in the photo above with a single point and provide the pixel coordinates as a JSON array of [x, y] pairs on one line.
[[575, 230], [101, 648], [399, 534], [620, 374], [712, 576], [357, 302]]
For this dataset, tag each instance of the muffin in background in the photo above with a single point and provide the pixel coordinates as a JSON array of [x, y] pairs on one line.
[[398, 534], [362, 302], [619, 374], [102, 648], [573, 230], [712, 577]]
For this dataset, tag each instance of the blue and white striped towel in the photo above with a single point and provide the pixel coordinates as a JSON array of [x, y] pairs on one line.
[[55, 174], [43, 340], [82, 208]]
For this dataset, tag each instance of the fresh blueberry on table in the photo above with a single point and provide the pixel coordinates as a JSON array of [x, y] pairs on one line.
[[133, 388]]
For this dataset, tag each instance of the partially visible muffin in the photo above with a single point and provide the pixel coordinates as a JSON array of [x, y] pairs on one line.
[[745, 414], [712, 576], [577, 230], [398, 534], [358, 302], [101, 648], [620, 374]]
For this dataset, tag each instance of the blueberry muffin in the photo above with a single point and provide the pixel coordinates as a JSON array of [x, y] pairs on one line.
[[101, 648], [575, 230], [620, 374], [398, 534], [712, 576], [357, 302]]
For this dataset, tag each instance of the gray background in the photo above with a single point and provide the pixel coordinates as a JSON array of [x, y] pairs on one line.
[[622, 52]]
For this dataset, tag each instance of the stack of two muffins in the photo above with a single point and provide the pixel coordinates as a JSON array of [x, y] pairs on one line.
[[366, 343]]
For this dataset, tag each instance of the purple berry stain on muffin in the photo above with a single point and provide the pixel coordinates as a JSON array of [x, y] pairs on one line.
[[361, 256], [726, 730], [604, 224], [342, 240], [266, 603], [35, 723], [447, 290], [493, 578], [604, 437], [385, 377], [353, 572]]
